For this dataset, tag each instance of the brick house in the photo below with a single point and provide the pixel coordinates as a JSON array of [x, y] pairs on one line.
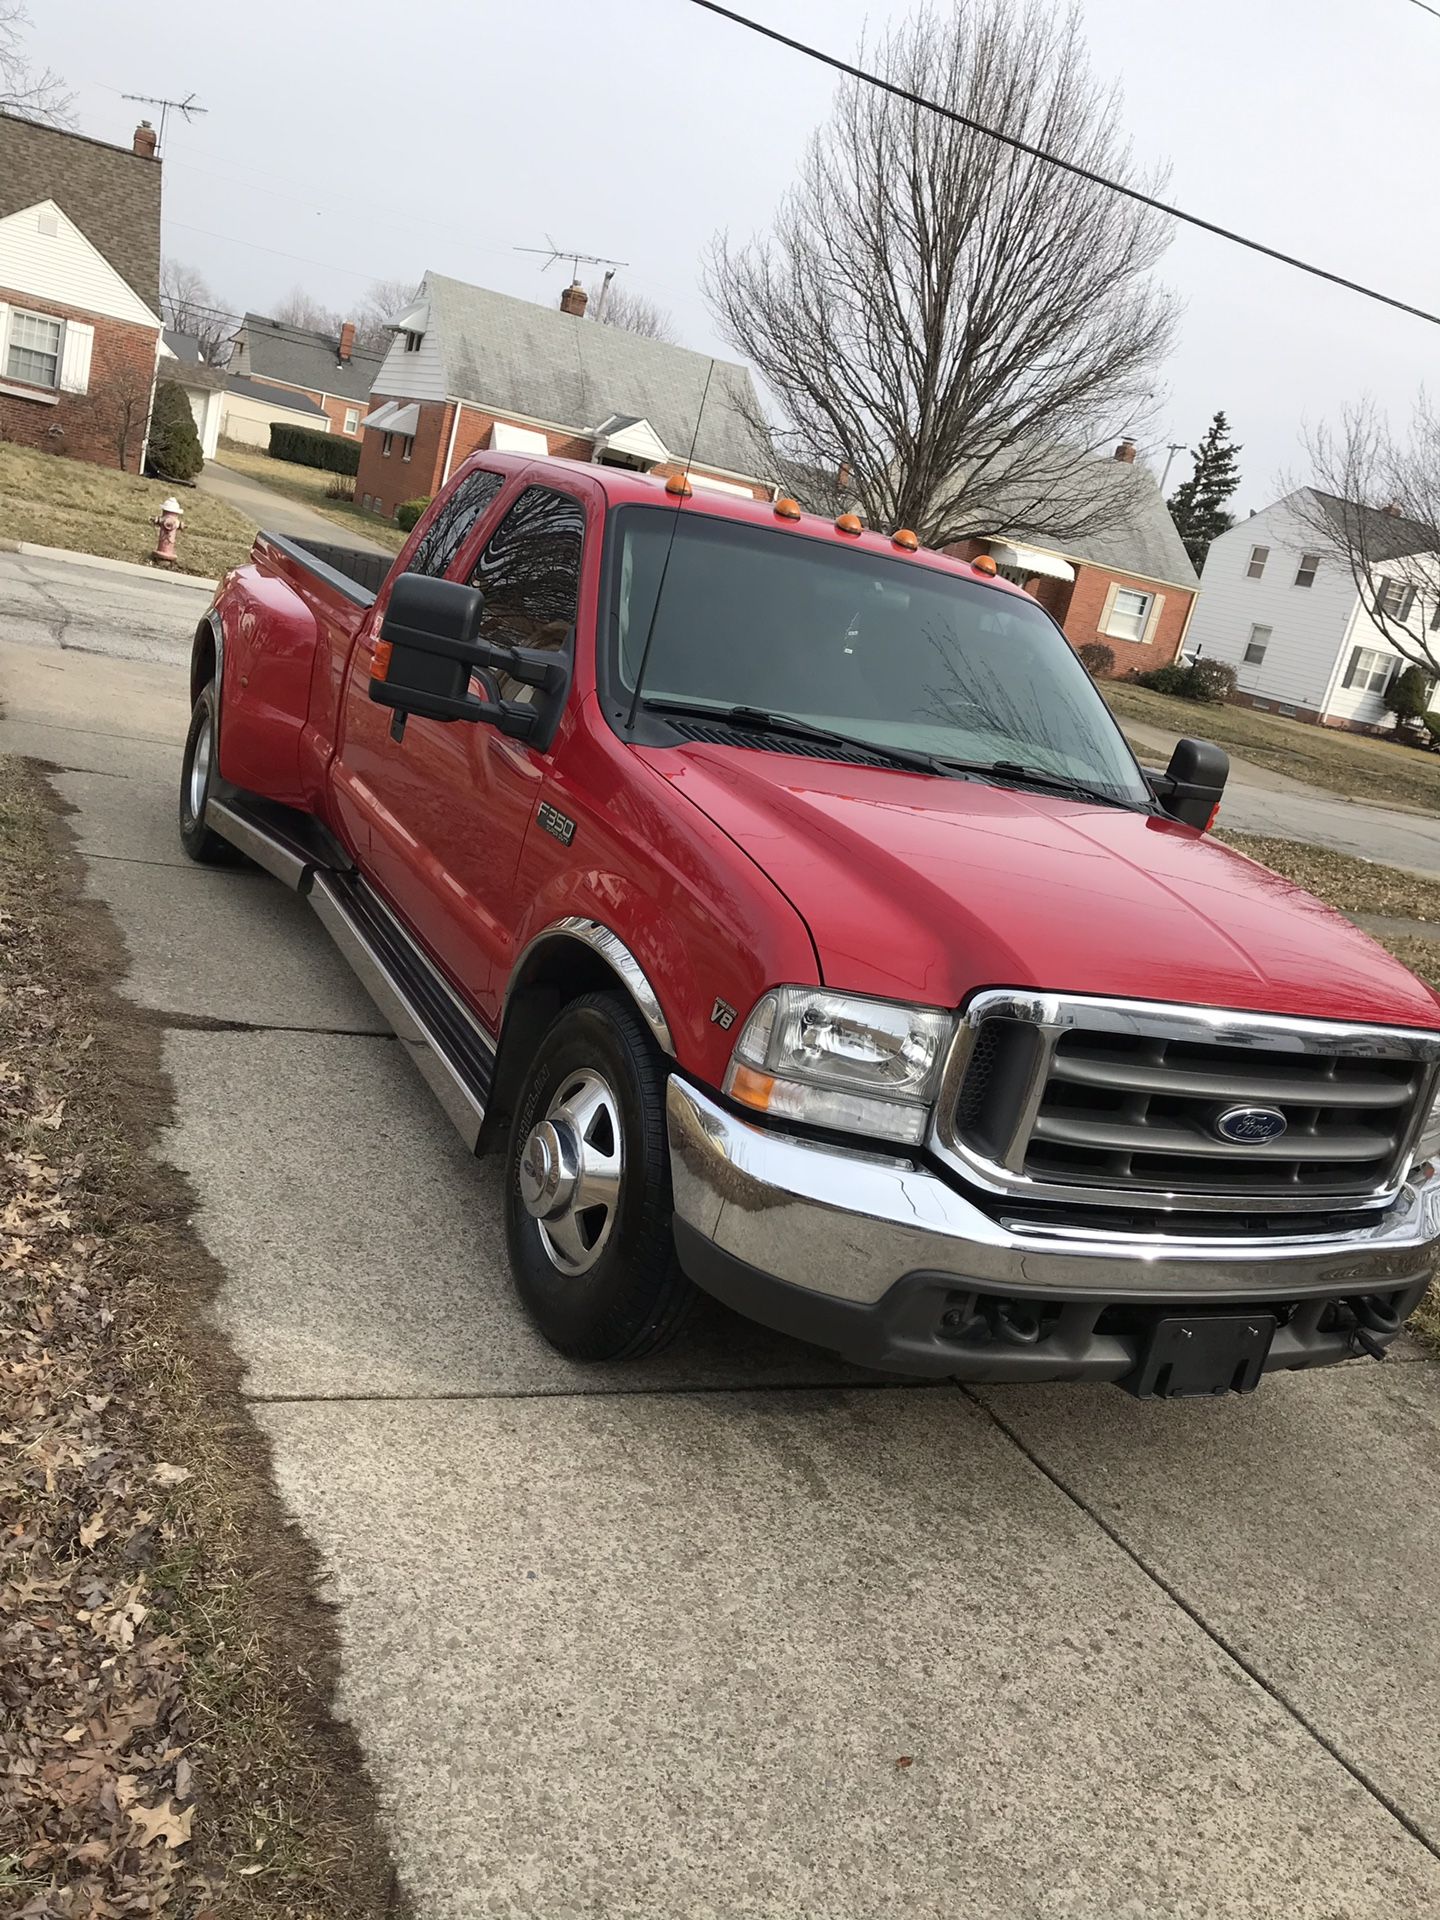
[[79, 291], [1130, 587], [470, 368], [328, 369]]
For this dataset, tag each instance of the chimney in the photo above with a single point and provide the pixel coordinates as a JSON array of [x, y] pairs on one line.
[[1126, 452], [145, 140], [347, 342], [574, 300], [1395, 510]]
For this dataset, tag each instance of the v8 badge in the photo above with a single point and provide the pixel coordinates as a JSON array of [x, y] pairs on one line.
[[722, 1015]]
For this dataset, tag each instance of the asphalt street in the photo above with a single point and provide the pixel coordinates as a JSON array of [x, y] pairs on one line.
[[739, 1632]]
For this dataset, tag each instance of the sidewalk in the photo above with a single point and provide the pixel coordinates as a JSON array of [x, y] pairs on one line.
[[1260, 801], [276, 514]]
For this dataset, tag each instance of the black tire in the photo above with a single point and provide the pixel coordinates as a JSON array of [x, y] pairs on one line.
[[199, 841], [633, 1298]]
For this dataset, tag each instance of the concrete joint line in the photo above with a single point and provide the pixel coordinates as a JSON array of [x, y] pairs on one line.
[[1212, 1633]]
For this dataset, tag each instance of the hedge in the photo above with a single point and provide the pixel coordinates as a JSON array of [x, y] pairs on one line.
[[408, 512], [305, 448]]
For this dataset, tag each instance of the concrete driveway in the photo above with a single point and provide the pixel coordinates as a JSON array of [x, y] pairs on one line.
[[275, 511], [740, 1633]]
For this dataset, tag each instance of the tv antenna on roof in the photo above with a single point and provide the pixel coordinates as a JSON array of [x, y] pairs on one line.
[[186, 106], [577, 260]]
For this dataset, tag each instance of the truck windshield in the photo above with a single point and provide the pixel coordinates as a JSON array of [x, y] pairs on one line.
[[884, 651]]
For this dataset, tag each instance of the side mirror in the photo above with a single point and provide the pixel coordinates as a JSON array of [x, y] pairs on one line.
[[1191, 787], [429, 648]]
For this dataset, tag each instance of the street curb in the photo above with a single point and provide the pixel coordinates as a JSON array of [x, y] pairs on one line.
[[107, 566]]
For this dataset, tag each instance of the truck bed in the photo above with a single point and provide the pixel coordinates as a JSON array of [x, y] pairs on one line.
[[358, 576]]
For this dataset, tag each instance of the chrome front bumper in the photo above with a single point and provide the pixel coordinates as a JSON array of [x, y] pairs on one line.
[[838, 1235]]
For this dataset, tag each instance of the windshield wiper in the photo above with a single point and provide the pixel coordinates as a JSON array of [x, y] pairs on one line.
[[1019, 775], [761, 720]]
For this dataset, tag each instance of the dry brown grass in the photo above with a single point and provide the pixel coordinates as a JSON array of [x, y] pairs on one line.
[[58, 502], [1364, 766], [223, 1679], [1340, 879], [307, 485]]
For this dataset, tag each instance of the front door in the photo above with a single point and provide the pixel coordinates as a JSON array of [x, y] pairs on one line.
[[449, 802]]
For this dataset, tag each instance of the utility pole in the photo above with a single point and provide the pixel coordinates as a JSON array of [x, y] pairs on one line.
[[187, 107], [1172, 447]]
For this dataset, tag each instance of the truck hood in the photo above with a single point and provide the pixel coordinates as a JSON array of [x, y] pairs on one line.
[[928, 889]]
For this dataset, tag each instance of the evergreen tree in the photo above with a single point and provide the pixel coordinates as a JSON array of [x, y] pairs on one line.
[[1408, 694], [175, 452], [1198, 506]]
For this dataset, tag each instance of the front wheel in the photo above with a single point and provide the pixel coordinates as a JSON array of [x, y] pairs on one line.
[[587, 1195], [197, 772]]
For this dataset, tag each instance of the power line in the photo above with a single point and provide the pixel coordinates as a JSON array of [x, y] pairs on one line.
[[1425, 7], [1066, 166]]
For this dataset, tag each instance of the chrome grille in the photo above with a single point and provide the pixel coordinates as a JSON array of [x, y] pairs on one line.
[[1117, 1101]]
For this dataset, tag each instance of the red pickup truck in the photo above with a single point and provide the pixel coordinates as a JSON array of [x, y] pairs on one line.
[[783, 902]]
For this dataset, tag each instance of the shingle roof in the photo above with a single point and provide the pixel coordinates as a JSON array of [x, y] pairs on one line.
[[194, 374], [112, 195], [1139, 536], [269, 396], [184, 346], [303, 358], [1380, 535], [560, 367]]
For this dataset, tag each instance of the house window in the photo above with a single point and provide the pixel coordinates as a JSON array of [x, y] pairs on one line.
[[352, 419], [1128, 614], [1394, 597], [386, 442], [412, 342], [1255, 646], [1368, 671], [409, 440], [34, 350], [1258, 557], [1309, 567]]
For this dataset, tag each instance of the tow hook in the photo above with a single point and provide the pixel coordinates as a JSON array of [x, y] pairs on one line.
[[1011, 1323], [1371, 1316]]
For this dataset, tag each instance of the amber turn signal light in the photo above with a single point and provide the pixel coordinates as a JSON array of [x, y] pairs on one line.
[[751, 1088], [787, 509], [679, 485], [380, 660], [906, 540], [982, 563], [850, 523]]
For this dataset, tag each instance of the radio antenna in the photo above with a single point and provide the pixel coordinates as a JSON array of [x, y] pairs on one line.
[[577, 259], [682, 493], [187, 107]]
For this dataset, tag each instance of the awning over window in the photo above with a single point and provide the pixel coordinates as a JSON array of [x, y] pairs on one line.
[[1029, 560], [406, 419], [382, 416]]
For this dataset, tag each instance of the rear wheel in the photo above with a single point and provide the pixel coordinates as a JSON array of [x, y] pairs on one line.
[[587, 1201], [197, 773]]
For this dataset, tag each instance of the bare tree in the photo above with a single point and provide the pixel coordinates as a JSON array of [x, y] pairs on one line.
[[188, 306], [31, 93], [1373, 505], [116, 409], [961, 325], [622, 307]]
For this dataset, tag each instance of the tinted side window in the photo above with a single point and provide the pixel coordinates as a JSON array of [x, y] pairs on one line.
[[529, 573], [447, 532]]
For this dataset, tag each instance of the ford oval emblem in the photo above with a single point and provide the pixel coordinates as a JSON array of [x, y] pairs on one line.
[[1250, 1126]]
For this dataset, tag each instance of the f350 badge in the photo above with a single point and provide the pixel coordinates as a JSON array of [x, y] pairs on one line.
[[553, 821]]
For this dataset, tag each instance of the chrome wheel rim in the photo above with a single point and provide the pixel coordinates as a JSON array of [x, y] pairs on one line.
[[200, 770], [570, 1172]]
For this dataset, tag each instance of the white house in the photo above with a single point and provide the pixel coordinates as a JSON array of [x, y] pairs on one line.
[[1279, 604]]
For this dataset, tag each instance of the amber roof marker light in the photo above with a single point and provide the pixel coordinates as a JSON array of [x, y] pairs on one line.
[[983, 563], [849, 523], [679, 485], [907, 541], [787, 509]]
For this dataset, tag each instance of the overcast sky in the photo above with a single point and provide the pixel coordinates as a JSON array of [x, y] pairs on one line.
[[351, 142]]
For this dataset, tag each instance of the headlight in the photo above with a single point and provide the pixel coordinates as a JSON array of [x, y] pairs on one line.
[[839, 1060]]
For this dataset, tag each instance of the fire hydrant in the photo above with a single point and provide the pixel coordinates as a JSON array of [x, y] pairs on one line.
[[169, 520]]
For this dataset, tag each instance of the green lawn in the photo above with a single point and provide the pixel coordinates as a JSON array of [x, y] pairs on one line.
[[58, 502], [307, 485], [1362, 765]]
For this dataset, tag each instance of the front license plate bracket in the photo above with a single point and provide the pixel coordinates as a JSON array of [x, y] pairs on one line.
[[1202, 1358]]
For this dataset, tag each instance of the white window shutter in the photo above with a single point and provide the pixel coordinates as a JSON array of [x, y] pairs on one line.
[[1109, 606], [4, 336], [1152, 625], [75, 357]]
